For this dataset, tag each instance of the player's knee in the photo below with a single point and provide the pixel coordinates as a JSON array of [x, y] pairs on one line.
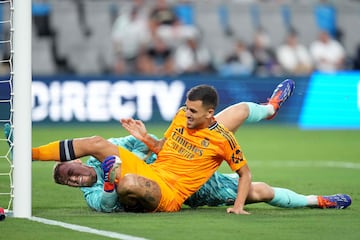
[[127, 185], [242, 109], [136, 190], [260, 192], [127, 197]]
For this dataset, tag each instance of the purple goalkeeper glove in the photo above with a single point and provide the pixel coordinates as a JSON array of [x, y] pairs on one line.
[[109, 166]]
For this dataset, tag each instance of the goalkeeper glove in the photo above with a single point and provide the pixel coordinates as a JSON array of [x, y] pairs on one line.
[[109, 166]]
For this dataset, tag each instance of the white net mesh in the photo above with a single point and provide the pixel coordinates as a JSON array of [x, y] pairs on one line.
[[6, 106]]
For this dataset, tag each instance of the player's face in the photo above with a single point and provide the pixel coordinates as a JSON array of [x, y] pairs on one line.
[[76, 174], [197, 116]]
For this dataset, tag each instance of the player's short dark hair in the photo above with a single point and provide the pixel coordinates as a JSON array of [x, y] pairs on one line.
[[56, 174], [205, 93]]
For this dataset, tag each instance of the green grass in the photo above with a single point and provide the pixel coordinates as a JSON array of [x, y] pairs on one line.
[[285, 156]]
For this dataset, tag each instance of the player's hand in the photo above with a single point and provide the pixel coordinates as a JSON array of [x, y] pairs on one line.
[[236, 211], [106, 166], [109, 167], [134, 127]]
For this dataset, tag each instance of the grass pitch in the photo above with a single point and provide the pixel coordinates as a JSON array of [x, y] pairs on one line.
[[309, 162]]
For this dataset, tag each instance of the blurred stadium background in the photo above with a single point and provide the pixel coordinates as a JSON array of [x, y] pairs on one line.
[[83, 29], [76, 58]]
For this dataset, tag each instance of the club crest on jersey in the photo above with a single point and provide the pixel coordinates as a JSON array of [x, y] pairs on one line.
[[237, 156], [205, 143]]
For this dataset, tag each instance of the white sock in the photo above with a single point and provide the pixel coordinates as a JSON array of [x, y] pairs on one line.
[[312, 200]]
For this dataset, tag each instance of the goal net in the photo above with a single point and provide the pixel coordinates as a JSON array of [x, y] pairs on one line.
[[6, 104], [15, 107]]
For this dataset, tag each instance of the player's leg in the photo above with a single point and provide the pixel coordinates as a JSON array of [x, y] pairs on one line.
[[235, 115], [70, 149], [138, 194], [279, 197], [141, 185], [221, 189], [286, 198], [259, 192]]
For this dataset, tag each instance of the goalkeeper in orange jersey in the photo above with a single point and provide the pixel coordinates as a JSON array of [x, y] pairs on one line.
[[259, 191]]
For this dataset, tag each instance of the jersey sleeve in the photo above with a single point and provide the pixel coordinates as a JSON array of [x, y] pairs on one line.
[[233, 153]]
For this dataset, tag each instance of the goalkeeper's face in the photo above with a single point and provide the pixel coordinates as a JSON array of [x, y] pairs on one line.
[[74, 174]]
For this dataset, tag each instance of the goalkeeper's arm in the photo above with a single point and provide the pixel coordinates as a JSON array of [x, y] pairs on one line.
[[99, 200], [95, 196]]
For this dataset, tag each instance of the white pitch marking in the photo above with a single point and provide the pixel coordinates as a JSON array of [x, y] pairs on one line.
[[329, 164], [86, 229]]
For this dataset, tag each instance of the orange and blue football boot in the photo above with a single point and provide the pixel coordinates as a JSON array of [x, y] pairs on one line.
[[337, 201], [281, 93]]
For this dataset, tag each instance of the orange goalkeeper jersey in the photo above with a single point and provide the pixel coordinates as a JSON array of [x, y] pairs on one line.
[[189, 157]]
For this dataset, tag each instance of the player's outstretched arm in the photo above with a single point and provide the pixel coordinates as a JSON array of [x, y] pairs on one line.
[[138, 130]]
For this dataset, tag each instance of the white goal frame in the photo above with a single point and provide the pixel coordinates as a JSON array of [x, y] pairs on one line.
[[22, 108]]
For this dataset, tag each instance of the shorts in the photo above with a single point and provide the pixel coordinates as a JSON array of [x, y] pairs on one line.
[[133, 164]]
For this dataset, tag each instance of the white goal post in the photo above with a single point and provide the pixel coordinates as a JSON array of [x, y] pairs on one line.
[[22, 108]]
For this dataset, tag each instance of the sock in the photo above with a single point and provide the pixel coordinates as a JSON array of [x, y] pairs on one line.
[[312, 200], [48, 152], [58, 151], [286, 198], [259, 112]]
